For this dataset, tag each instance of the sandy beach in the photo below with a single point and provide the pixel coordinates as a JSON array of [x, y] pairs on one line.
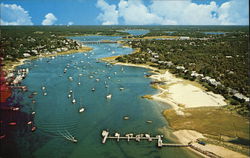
[[180, 93], [186, 136]]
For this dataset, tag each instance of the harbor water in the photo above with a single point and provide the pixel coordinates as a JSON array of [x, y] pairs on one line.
[[90, 81]]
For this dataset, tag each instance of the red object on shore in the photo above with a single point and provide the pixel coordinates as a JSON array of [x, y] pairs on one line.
[[12, 123], [5, 90]]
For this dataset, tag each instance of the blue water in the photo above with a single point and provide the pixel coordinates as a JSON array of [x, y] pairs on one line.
[[96, 38], [214, 33], [137, 32], [55, 112]]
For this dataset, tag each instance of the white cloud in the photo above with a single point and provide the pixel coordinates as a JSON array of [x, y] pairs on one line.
[[50, 19], [109, 15], [12, 14], [70, 23], [135, 12]]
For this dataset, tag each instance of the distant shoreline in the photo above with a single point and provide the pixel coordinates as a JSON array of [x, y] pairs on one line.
[[11, 65]]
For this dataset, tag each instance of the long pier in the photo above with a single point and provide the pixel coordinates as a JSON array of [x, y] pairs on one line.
[[139, 137]]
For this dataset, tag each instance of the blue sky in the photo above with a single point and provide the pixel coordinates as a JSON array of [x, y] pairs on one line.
[[124, 12]]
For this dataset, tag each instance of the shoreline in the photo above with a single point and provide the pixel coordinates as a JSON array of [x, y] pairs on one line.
[[215, 100], [10, 65]]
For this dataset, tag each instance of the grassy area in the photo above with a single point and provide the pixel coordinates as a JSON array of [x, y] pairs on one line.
[[212, 121], [109, 59]]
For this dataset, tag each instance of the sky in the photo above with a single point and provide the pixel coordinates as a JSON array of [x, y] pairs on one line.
[[124, 12]]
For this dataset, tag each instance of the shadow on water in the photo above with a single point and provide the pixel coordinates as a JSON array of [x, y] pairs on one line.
[[14, 126]]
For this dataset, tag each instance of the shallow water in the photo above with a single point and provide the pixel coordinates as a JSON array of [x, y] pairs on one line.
[[55, 113]]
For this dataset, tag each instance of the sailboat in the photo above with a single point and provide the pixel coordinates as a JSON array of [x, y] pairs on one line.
[[81, 109], [79, 83], [109, 96], [73, 99]]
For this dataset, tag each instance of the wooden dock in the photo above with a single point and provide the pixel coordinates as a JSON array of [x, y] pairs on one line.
[[139, 137]]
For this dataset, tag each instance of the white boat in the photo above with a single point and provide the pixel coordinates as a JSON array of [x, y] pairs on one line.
[[43, 88], [44, 93], [69, 95], [81, 110], [74, 101], [93, 89], [121, 88], [70, 78], [109, 96], [68, 136], [79, 83]]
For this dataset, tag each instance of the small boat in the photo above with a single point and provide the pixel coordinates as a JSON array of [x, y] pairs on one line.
[[68, 136], [43, 88], [2, 136], [79, 83], [33, 113], [125, 117], [81, 110], [109, 96], [15, 109], [70, 91], [121, 88], [33, 128], [44, 93], [70, 78], [29, 123], [97, 80], [149, 121], [34, 93], [33, 101], [12, 123], [93, 89], [69, 95], [74, 101]]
